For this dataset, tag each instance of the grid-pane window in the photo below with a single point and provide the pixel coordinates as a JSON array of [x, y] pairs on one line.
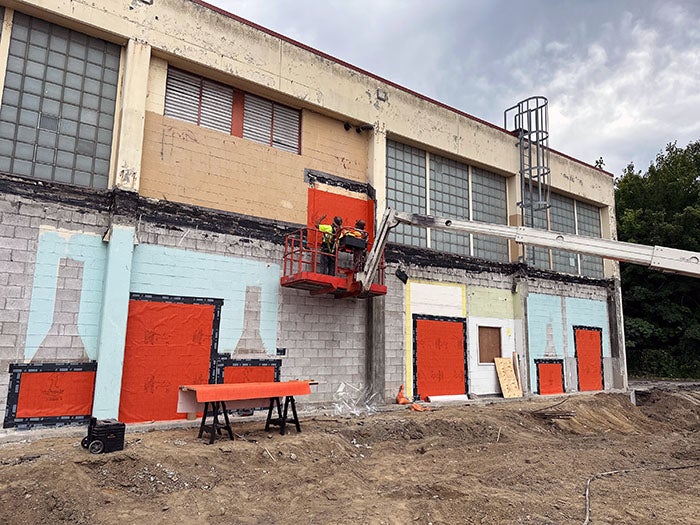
[[449, 197], [562, 219], [588, 219], [406, 190], [199, 101], [489, 203], [536, 255], [57, 112], [270, 123]]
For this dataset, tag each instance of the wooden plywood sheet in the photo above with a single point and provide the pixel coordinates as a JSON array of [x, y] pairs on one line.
[[506, 377]]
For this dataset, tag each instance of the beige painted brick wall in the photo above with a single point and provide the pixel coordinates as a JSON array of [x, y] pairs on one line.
[[331, 149], [186, 163]]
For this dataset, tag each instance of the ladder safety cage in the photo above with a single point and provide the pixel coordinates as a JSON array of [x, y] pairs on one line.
[[530, 119]]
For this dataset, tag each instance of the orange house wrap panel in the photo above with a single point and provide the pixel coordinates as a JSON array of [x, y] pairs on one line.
[[331, 204], [550, 378], [52, 394], [439, 357], [167, 345], [249, 374], [589, 359]]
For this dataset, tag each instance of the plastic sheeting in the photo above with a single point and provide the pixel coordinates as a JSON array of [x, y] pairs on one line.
[[354, 400]]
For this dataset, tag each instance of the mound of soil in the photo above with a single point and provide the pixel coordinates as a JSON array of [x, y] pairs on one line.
[[497, 463]]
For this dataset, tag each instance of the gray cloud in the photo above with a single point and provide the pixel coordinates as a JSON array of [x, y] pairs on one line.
[[622, 78]]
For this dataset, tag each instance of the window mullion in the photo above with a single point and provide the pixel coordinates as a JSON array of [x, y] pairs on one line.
[[428, 209]]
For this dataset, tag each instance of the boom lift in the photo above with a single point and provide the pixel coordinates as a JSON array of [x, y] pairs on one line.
[[302, 254], [658, 257]]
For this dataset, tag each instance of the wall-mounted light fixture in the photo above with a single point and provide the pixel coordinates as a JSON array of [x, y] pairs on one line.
[[402, 276], [347, 126], [364, 127]]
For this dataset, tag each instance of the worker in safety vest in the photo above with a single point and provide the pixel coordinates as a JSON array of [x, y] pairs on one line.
[[328, 243], [358, 254]]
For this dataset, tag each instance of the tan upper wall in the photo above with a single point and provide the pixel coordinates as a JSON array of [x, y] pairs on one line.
[[183, 162], [224, 48], [299, 76], [186, 163]]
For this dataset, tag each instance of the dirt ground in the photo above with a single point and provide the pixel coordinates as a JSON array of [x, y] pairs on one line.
[[480, 463]]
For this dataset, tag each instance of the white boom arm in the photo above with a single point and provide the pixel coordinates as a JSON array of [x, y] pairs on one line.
[[657, 257]]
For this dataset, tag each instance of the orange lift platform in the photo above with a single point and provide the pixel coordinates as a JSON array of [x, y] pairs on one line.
[[304, 265]]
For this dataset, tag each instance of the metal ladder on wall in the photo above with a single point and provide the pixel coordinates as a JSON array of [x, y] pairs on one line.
[[530, 119]]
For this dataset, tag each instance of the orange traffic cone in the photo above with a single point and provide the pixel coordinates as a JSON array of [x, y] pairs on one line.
[[401, 399]]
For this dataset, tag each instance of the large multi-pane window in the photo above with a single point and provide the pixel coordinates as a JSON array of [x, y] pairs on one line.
[[588, 221], [562, 218], [217, 106], [419, 182], [406, 190], [449, 197], [567, 215], [490, 205], [57, 113], [536, 255]]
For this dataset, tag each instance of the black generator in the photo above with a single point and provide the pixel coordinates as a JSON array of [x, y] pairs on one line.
[[105, 435]]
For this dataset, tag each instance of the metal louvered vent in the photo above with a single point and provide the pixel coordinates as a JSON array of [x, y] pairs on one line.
[[182, 96], [269, 123], [217, 105], [285, 130], [257, 119]]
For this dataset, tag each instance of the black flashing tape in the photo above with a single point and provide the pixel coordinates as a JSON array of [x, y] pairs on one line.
[[313, 176], [223, 362]]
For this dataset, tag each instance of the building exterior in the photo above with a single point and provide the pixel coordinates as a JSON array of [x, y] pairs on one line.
[[153, 156]]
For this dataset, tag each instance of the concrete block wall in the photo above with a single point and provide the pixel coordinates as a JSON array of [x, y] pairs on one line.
[[21, 219], [323, 338], [394, 334]]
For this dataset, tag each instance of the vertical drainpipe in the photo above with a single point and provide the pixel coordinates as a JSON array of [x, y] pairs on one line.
[[375, 351], [112, 335]]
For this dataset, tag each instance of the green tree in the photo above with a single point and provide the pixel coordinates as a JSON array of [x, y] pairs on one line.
[[662, 311]]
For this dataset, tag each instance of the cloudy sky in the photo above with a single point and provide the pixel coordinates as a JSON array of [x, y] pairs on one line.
[[622, 76]]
